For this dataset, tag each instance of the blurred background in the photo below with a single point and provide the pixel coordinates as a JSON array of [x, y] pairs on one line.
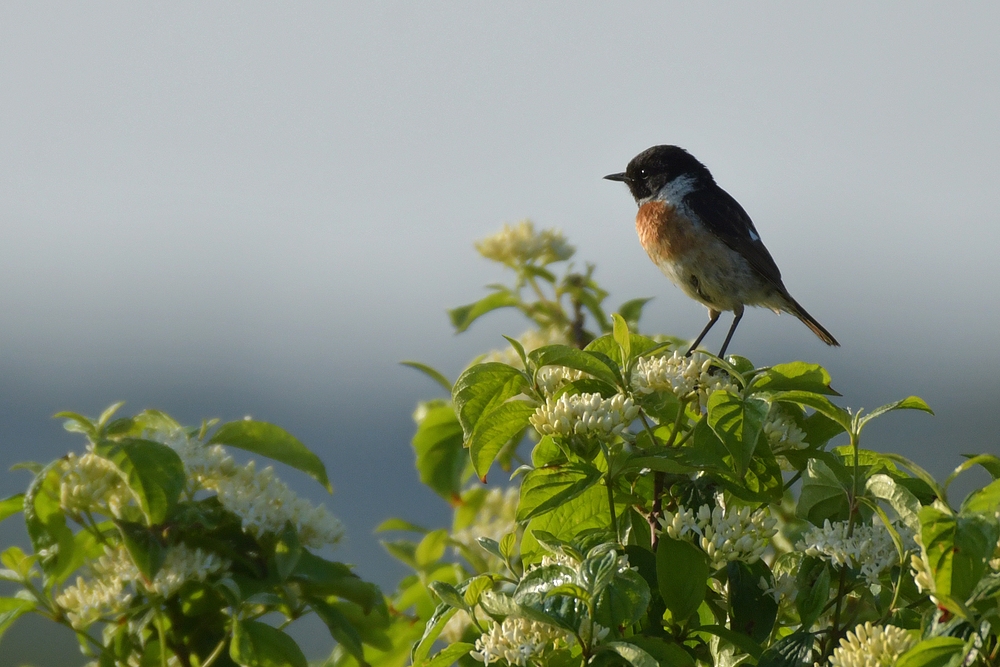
[[244, 208]]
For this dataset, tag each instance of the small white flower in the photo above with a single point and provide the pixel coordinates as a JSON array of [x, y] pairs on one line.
[[115, 581], [677, 374], [91, 483], [584, 414], [520, 244], [183, 564], [516, 640], [553, 378], [782, 432], [871, 646], [262, 501], [681, 376], [869, 549], [725, 535]]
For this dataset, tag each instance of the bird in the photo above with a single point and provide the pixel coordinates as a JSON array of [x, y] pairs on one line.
[[704, 241]]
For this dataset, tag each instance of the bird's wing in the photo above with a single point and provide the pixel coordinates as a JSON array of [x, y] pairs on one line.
[[725, 218]]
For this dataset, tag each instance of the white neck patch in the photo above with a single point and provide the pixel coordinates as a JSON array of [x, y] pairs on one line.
[[674, 191]]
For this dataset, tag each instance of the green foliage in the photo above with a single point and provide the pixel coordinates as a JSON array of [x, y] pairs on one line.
[[680, 511], [175, 551], [663, 510]]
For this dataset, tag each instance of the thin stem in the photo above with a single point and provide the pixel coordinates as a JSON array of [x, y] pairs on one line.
[[216, 652], [609, 483]]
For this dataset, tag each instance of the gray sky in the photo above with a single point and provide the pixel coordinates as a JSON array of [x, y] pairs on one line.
[[218, 208]]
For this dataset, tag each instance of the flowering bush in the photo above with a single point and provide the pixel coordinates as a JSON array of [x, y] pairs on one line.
[[178, 551], [674, 510], [663, 510]]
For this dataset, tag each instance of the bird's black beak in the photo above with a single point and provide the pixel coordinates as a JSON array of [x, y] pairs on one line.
[[617, 177]]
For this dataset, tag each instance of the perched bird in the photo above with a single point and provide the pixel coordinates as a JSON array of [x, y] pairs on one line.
[[704, 241]]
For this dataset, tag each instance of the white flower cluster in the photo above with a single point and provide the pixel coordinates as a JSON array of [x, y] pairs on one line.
[[869, 548], [584, 414], [520, 244], [516, 640], [725, 535], [680, 375], [115, 580], [551, 379], [262, 501], [783, 590], [782, 432], [495, 518], [871, 646], [530, 340], [91, 483]]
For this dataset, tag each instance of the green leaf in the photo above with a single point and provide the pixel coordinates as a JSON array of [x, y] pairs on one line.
[[737, 639], [448, 594], [738, 423], [818, 403], [143, 547], [795, 650], [819, 429], [447, 656], [153, 472], [463, 316], [287, 551], [990, 463], [441, 458], [630, 653], [532, 597], [545, 489], [475, 589], [431, 549], [752, 611], [592, 363], [813, 585], [933, 652], [321, 577], [958, 548], [663, 652], [273, 442], [622, 336], [823, 496], [681, 576], [631, 311], [11, 505], [431, 373], [400, 524], [919, 472], [432, 630], [902, 501], [795, 376], [494, 430], [483, 386], [340, 628], [584, 514], [623, 601], [908, 403], [984, 500], [257, 644], [11, 609], [46, 523]]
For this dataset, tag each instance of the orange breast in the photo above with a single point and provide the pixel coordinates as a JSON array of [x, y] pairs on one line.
[[664, 233]]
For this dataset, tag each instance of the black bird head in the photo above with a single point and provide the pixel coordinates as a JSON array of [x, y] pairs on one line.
[[653, 168]]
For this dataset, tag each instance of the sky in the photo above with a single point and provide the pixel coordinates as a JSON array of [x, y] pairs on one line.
[[261, 208]]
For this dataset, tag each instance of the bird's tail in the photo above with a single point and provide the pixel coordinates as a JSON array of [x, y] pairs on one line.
[[798, 311]]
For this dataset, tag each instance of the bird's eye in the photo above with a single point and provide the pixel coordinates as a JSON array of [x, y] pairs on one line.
[[642, 172]]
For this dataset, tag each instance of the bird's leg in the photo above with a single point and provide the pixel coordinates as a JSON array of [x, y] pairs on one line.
[[738, 312], [713, 317]]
